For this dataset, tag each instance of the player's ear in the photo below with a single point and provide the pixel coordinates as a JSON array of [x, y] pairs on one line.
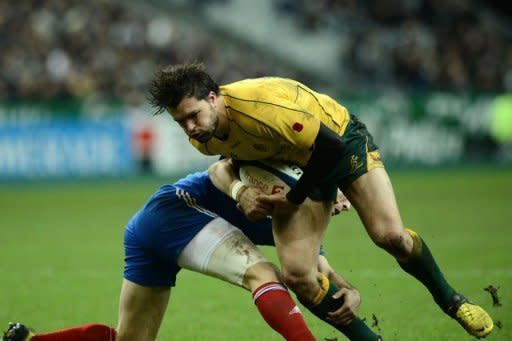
[[212, 97]]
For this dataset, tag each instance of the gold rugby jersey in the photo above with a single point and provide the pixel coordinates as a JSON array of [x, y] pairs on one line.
[[274, 118]]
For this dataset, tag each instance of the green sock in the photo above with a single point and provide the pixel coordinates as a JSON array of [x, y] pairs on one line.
[[356, 330], [422, 266]]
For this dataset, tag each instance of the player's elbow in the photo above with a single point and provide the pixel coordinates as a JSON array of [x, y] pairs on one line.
[[213, 168], [219, 166]]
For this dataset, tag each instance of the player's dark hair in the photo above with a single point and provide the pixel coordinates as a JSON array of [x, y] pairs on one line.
[[175, 82]]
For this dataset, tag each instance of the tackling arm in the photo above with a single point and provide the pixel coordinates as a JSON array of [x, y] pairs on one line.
[[350, 295], [325, 267], [223, 176]]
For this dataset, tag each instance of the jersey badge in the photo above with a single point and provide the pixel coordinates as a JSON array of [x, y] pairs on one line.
[[297, 127], [355, 163]]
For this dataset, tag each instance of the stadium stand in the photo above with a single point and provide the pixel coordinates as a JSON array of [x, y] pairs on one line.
[[58, 48], [78, 49], [429, 44]]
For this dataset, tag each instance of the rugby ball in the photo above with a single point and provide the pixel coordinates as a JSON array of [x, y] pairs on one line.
[[269, 176]]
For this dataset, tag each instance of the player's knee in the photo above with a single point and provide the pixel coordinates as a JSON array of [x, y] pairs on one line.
[[394, 241], [259, 274], [297, 281]]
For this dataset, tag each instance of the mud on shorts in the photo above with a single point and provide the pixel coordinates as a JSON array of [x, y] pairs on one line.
[[361, 155]]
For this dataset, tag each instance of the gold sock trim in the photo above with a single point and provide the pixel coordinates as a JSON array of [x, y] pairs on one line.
[[323, 283], [417, 244]]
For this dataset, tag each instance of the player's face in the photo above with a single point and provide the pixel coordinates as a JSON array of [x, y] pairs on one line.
[[197, 117]]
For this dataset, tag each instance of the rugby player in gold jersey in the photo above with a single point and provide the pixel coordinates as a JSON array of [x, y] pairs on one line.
[[282, 119]]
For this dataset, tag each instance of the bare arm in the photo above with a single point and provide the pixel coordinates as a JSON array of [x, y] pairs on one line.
[[224, 178], [350, 295]]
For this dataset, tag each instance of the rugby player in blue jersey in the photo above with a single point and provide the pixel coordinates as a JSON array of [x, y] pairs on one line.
[[191, 225]]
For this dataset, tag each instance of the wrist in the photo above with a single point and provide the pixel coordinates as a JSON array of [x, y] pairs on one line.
[[236, 189]]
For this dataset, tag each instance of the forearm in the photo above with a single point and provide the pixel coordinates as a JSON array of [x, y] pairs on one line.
[[334, 277], [338, 280], [223, 176]]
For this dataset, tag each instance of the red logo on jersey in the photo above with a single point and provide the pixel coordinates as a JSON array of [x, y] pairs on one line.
[[297, 127]]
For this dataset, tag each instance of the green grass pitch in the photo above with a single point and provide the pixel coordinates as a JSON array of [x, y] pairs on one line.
[[61, 259]]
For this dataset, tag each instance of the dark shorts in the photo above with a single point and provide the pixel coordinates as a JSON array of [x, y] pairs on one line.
[[361, 156]]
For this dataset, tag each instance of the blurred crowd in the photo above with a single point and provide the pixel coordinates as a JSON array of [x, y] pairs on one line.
[[73, 48], [78, 49], [421, 44]]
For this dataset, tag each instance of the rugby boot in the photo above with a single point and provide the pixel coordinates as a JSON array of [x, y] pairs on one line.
[[17, 332], [471, 317]]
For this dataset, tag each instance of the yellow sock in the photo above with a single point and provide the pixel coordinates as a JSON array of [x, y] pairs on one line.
[[417, 244], [323, 288]]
